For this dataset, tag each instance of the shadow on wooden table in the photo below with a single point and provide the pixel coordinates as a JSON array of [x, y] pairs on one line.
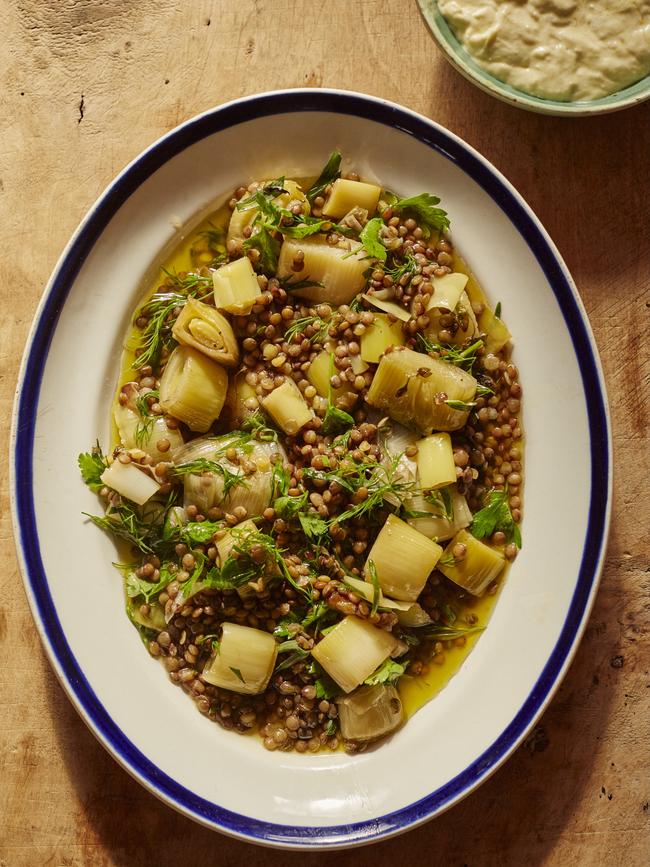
[[514, 818]]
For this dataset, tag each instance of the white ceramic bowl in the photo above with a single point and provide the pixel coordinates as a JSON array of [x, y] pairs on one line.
[[465, 63], [67, 379]]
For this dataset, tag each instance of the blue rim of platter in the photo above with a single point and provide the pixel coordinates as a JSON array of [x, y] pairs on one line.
[[25, 410]]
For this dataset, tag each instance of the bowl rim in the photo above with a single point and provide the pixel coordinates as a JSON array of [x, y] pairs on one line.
[[34, 359], [469, 68]]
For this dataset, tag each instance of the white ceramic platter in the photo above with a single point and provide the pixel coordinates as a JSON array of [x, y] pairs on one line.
[[69, 372]]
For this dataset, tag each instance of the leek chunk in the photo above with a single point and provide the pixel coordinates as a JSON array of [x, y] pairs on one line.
[[193, 388], [129, 481], [236, 289], [379, 336], [436, 525], [339, 271], [145, 433], [241, 400], [288, 407], [227, 542], [403, 558], [204, 328], [447, 291], [477, 569], [370, 712], [406, 385], [244, 660], [391, 307], [352, 651], [497, 334], [319, 372], [435, 460], [346, 195]]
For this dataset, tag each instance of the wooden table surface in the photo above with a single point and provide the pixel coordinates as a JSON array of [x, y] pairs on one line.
[[86, 84]]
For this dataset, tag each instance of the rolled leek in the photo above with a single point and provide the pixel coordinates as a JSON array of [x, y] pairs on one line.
[[434, 524], [346, 195], [497, 334], [370, 712], [339, 271], [403, 559], [379, 336], [352, 651], [244, 660], [236, 289], [447, 291], [205, 490], [146, 433], [407, 383], [288, 408], [193, 388], [477, 569], [391, 307], [435, 460], [130, 481], [204, 328]]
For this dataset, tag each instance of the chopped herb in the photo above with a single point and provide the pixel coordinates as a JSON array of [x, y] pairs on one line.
[[298, 326], [92, 465], [497, 311], [405, 267], [256, 425], [335, 419], [312, 526], [388, 672], [376, 589], [237, 673], [436, 632], [483, 390], [330, 728], [290, 285], [135, 586], [461, 405], [371, 239], [422, 208], [202, 465], [441, 499], [268, 247], [199, 532], [331, 171], [187, 588], [496, 515], [465, 358]]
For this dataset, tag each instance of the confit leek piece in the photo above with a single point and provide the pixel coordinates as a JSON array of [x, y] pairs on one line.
[[351, 651], [497, 334], [288, 407], [241, 399], [407, 383], [371, 712], [390, 307], [130, 482], [379, 336], [236, 289], [243, 661], [435, 459], [403, 559], [447, 291], [435, 524], [346, 195], [205, 329], [193, 388], [319, 372], [145, 433], [477, 569], [339, 270]]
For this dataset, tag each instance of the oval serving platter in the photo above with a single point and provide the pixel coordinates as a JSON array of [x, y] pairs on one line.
[[66, 383]]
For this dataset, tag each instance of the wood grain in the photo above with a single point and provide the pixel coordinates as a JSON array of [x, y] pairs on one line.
[[86, 84]]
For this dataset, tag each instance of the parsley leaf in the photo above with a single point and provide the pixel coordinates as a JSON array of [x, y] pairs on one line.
[[496, 515], [92, 465], [331, 171], [312, 526], [371, 240], [422, 207], [268, 247], [335, 419], [388, 672]]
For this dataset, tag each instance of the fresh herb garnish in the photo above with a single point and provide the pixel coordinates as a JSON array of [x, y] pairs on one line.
[[388, 672], [497, 310], [92, 465], [496, 515], [334, 418], [312, 525], [441, 499], [461, 405], [237, 673], [371, 239], [465, 358], [148, 590], [298, 326], [331, 171], [422, 208], [202, 465], [376, 589], [437, 632]]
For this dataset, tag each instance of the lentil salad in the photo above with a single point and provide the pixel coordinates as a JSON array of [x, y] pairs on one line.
[[317, 472]]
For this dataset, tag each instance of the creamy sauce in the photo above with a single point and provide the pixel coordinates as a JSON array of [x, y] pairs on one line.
[[567, 50]]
